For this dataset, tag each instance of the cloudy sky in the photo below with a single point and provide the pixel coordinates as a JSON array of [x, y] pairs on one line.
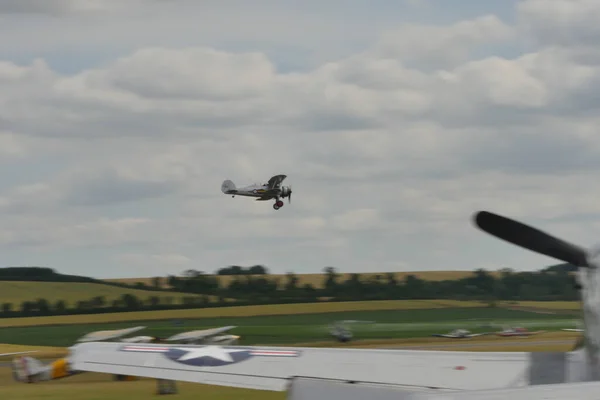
[[395, 120]]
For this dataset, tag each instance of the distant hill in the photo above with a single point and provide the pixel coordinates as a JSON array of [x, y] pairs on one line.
[[38, 291], [19, 285], [17, 292], [562, 267], [317, 280]]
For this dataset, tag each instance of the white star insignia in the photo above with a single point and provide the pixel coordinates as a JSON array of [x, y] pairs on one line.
[[215, 352]]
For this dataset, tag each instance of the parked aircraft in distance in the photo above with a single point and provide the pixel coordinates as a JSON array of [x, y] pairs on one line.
[[341, 330], [458, 334], [578, 329], [262, 192], [517, 331]]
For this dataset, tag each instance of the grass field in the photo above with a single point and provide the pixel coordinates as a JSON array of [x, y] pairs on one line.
[[240, 311], [289, 327], [317, 279], [549, 341], [16, 292]]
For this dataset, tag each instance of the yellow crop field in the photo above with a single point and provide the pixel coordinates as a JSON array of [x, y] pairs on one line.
[[548, 305], [16, 292], [240, 311], [145, 281], [317, 279]]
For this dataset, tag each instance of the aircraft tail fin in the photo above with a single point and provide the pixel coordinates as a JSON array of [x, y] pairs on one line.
[[228, 187], [30, 370], [27, 369]]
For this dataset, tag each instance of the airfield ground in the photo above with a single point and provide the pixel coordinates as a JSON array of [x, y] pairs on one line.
[[397, 324], [100, 386], [289, 327]]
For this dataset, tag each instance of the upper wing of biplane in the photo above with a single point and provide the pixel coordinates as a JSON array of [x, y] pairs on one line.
[[276, 181], [272, 368], [108, 335], [197, 335]]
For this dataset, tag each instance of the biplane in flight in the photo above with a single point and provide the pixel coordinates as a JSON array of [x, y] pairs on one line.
[[272, 190]]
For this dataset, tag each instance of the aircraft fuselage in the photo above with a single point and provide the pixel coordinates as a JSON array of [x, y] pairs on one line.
[[260, 191]]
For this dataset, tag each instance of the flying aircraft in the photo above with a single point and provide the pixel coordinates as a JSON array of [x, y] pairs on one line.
[[517, 331], [30, 370], [268, 191], [458, 334], [365, 372]]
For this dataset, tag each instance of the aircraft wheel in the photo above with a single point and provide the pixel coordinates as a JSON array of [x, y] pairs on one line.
[[275, 206], [279, 204]]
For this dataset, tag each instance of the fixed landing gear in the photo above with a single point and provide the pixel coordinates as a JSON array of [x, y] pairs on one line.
[[278, 204]]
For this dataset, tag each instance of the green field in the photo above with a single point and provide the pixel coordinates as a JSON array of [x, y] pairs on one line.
[[240, 311], [307, 327], [16, 292]]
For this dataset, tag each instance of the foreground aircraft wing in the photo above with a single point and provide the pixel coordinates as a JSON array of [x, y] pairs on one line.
[[307, 388], [200, 334], [272, 368], [276, 181]]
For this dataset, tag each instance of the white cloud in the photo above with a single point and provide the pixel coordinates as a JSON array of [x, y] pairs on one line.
[[62, 7], [433, 46], [561, 22], [389, 150], [189, 73]]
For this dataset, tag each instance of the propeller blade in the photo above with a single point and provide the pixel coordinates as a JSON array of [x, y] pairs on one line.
[[530, 238]]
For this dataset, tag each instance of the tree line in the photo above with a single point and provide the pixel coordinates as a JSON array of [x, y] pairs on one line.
[[255, 285]]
